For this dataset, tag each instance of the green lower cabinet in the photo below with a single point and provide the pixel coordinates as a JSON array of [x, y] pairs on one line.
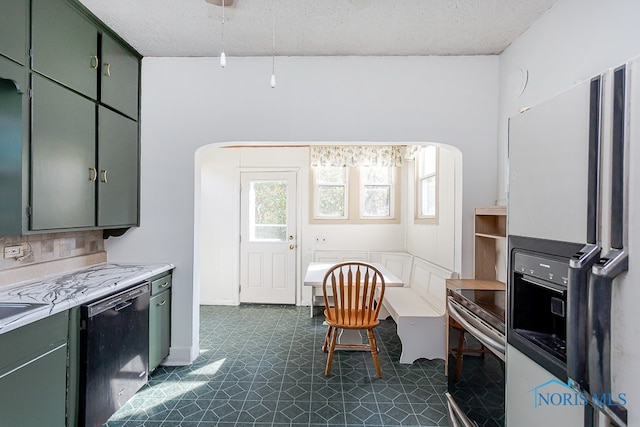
[[159, 321], [33, 374]]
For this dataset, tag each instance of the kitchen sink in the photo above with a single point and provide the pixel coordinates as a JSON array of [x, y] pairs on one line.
[[10, 309]]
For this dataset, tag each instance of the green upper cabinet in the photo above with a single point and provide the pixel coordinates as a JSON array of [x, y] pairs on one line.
[[63, 158], [118, 170], [14, 30], [65, 46], [119, 77], [13, 130], [69, 109]]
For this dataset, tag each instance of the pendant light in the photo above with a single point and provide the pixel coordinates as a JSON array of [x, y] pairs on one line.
[[273, 47], [223, 57]]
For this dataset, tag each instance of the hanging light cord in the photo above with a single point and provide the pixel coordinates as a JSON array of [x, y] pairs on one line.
[[273, 47], [223, 25], [223, 57]]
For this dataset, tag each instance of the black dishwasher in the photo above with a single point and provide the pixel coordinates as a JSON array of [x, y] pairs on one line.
[[114, 342]]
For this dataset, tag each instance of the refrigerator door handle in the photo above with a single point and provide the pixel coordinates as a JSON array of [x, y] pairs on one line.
[[603, 273], [580, 265]]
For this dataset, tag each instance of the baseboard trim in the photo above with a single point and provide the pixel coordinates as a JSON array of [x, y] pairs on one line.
[[181, 356]]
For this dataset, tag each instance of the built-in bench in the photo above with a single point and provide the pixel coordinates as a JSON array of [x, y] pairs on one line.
[[418, 308]]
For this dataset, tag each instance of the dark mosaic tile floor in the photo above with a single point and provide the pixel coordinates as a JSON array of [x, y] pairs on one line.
[[262, 366]]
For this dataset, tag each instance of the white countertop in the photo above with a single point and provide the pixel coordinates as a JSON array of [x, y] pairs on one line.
[[63, 291]]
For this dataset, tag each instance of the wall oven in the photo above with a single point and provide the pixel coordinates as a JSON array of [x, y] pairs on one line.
[[476, 396]]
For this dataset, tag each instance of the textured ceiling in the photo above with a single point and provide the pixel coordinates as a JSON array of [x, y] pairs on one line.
[[320, 27]]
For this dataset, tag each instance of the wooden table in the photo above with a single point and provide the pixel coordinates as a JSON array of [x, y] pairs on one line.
[[314, 277], [316, 271]]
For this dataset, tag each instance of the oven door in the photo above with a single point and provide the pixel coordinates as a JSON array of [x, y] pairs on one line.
[[483, 332], [456, 415], [477, 396]]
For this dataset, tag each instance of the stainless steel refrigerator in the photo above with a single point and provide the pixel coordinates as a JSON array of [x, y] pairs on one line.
[[573, 293]]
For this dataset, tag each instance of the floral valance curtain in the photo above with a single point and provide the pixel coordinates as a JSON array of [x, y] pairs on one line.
[[356, 155]]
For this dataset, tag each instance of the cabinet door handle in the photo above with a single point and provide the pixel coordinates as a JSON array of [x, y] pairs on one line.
[[104, 175], [94, 62], [93, 174], [164, 285], [164, 301], [107, 72]]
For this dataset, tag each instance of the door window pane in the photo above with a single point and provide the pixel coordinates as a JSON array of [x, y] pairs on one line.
[[268, 211]]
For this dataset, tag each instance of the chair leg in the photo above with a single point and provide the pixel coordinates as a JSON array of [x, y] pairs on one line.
[[374, 351], [332, 348], [327, 337]]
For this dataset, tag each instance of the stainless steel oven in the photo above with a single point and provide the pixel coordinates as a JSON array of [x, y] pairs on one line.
[[476, 397]]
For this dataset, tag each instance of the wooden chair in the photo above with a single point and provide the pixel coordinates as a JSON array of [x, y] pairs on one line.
[[350, 291]]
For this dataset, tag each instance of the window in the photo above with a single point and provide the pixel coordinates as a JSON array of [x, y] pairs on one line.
[[355, 183], [376, 191], [427, 184], [332, 192], [364, 194]]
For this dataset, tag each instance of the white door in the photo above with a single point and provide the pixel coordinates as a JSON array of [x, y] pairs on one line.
[[268, 239]]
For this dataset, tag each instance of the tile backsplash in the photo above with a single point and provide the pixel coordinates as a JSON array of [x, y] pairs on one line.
[[39, 248]]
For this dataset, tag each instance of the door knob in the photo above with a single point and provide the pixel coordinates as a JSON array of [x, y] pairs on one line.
[[292, 247], [291, 237]]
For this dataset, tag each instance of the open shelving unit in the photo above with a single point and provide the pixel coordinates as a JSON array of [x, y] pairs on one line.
[[490, 232]]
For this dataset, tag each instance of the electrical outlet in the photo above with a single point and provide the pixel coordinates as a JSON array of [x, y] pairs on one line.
[[321, 240], [13, 251]]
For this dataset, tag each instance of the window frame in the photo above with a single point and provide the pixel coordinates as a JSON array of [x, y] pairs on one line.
[[362, 192], [419, 180], [315, 193], [354, 200]]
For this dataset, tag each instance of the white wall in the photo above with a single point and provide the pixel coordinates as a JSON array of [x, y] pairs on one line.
[[440, 243], [219, 224], [573, 42], [188, 103]]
